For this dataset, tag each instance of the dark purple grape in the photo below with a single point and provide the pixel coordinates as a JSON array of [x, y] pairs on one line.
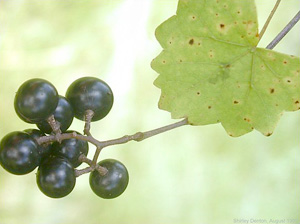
[[63, 114], [44, 149], [90, 93], [71, 149], [113, 183], [56, 177], [19, 153], [35, 100]]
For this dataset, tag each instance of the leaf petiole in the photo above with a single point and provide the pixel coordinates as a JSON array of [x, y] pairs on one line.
[[269, 19], [285, 30]]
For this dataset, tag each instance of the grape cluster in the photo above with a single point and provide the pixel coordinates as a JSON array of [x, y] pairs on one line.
[[37, 102]]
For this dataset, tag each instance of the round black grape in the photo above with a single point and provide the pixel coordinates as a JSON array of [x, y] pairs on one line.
[[71, 149], [35, 100], [90, 93], [44, 149], [56, 177], [19, 153], [113, 183], [63, 114]]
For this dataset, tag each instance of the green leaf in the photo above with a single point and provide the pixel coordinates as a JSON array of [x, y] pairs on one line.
[[211, 70]]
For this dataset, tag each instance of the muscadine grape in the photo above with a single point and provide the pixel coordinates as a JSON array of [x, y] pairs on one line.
[[90, 93], [63, 114], [35, 100], [71, 149], [44, 149], [19, 153], [113, 183], [56, 177]]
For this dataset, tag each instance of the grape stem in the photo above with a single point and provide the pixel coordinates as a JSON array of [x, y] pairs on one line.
[[139, 136], [55, 126], [88, 116], [92, 167], [83, 171]]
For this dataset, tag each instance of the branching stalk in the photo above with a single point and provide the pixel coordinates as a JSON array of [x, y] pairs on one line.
[[84, 159], [96, 155], [83, 171], [139, 136], [55, 126]]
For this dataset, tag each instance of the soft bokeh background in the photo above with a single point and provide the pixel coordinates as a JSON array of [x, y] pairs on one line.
[[188, 175]]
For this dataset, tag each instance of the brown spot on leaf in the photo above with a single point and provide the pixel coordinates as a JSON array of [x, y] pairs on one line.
[[222, 26], [209, 107], [285, 62], [180, 60], [235, 102], [257, 35], [227, 66], [198, 93], [297, 101], [272, 90], [247, 119], [191, 42], [288, 80], [269, 134], [164, 62], [217, 14], [238, 12]]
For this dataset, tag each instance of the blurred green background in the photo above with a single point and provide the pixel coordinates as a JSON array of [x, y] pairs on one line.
[[188, 175]]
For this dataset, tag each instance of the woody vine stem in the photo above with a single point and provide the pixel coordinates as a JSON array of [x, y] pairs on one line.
[[139, 136]]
